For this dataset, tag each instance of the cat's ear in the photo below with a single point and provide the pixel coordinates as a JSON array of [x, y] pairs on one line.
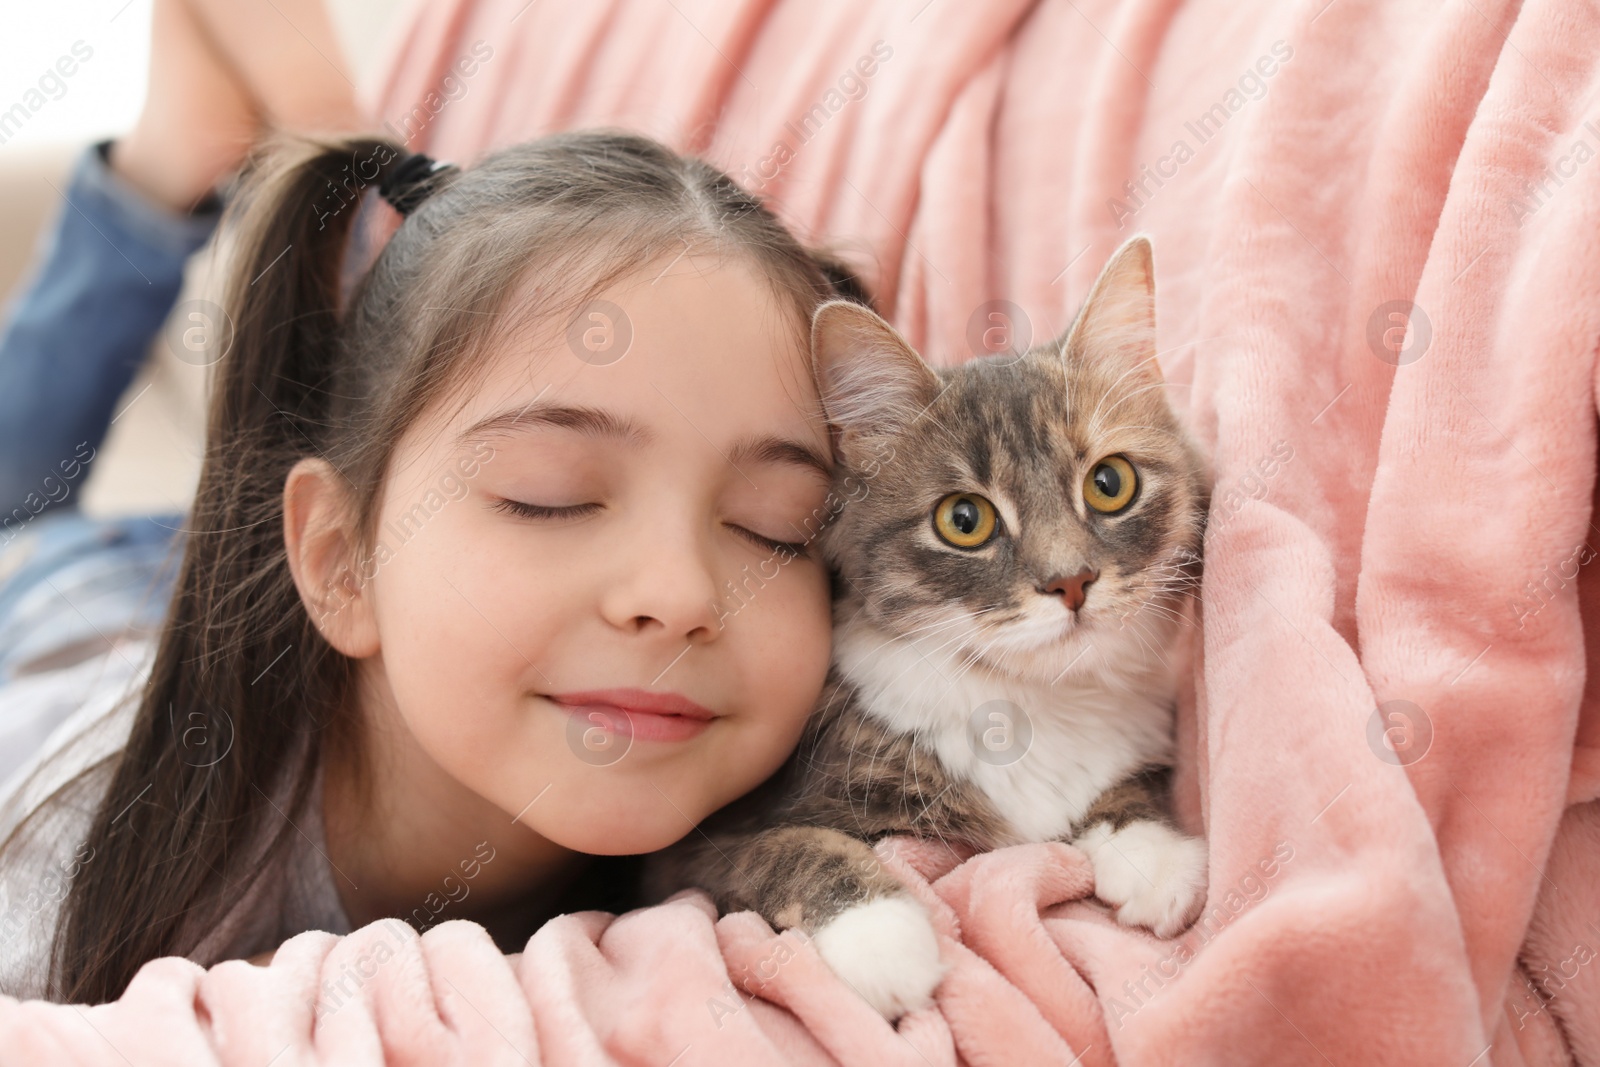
[[871, 381], [1117, 322]]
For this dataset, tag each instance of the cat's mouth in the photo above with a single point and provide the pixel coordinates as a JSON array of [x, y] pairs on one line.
[[1070, 627], [1029, 636]]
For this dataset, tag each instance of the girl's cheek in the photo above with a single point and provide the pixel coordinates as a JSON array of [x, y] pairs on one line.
[[457, 612], [791, 639]]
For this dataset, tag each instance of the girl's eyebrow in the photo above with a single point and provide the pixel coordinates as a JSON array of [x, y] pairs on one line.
[[591, 422], [598, 422]]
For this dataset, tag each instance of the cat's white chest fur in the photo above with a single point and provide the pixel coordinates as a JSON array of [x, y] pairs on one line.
[[1083, 734]]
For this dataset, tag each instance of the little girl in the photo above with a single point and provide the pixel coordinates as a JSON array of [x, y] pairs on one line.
[[463, 618]]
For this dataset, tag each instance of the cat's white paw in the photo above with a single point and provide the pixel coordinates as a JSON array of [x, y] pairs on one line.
[[1153, 875], [886, 949]]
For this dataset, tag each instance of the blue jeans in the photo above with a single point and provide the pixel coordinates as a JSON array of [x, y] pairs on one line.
[[106, 277]]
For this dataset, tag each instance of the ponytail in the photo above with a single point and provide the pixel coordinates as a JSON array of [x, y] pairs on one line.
[[297, 215], [239, 662]]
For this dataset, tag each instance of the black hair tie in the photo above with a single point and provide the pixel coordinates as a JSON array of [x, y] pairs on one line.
[[408, 182]]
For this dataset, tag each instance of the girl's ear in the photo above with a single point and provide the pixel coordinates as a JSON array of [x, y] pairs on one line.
[[872, 382], [321, 543]]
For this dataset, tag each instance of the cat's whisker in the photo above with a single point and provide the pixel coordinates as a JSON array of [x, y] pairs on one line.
[[1162, 611], [1157, 429], [1113, 387], [936, 620], [935, 627], [1156, 648], [1158, 613], [1094, 425], [853, 749], [1170, 572], [916, 778], [926, 653], [1173, 586], [983, 653], [1129, 623], [1167, 615], [1023, 659], [1165, 605], [1162, 656], [975, 658]]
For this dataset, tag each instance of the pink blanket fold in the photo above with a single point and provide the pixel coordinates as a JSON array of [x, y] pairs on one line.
[[1376, 227]]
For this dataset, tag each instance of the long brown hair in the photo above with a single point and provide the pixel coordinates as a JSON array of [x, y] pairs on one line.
[[312, 371]]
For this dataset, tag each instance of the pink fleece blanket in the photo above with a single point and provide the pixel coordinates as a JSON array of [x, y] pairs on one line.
[[1376, 228]]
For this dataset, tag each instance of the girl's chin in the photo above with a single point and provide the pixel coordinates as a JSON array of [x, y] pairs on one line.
[[634, 843], [641, 811]]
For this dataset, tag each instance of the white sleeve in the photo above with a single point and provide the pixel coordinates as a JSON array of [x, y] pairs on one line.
[[45, 815]]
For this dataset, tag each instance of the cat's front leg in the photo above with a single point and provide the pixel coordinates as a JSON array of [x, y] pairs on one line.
[[863, 922], [1153, 874]]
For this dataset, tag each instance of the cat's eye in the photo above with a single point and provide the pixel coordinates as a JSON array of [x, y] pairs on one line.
[[1110, 485], [965, 520]]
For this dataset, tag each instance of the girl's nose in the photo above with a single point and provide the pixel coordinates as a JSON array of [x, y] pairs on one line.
[[667, 582]]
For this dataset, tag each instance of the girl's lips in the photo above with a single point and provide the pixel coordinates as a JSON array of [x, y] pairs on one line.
[[637, 714]]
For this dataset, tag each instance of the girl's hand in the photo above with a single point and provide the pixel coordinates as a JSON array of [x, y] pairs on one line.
[[265, 958], [219, 73]]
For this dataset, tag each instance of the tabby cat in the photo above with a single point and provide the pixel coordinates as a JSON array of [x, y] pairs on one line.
[[1005, 589]]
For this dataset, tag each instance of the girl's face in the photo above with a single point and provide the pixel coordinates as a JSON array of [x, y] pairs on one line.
[[673, 435]]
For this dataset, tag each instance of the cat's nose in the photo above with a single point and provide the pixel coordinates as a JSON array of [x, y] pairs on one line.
[[1072, 590]]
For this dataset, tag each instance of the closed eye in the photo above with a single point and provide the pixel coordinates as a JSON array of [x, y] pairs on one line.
[[542, 511], [793, 548]]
